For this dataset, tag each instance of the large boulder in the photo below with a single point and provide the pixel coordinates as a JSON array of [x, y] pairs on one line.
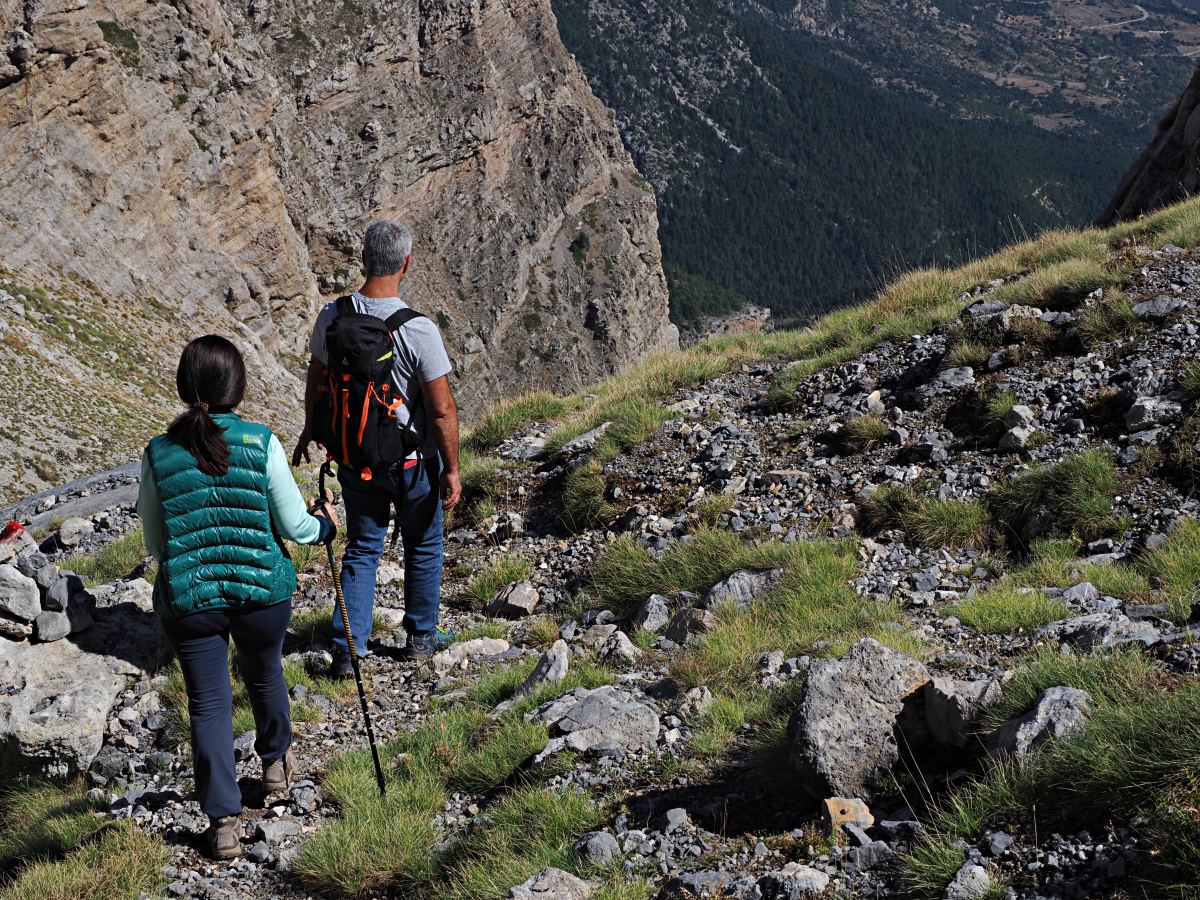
[[843, 733], [57, 695], [1058, 712]]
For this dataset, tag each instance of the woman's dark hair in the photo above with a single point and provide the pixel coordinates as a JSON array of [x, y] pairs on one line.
[[211, 379]]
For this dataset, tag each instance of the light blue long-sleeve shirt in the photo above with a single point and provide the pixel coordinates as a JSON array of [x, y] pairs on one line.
[[289, 515]]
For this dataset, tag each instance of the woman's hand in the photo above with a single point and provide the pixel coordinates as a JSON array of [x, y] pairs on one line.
[[324, 509]]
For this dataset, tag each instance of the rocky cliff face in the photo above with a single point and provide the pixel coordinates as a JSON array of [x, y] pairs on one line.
[[1169, 169], [222, 160]]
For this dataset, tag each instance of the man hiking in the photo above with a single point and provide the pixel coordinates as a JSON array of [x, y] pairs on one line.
[[378, 398]]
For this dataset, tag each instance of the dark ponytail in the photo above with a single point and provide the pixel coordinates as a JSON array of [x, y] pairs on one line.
[[211, 379]]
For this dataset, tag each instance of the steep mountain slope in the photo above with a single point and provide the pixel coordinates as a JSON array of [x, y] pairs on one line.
[[211, 166], [802, 152], [1169, 169], [903, 605], [221, 159]]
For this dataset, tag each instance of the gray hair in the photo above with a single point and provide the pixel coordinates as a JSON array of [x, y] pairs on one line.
[[385, 247]]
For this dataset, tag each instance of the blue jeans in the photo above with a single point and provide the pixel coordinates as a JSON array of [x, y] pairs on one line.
[[368, 513], [201, 641]]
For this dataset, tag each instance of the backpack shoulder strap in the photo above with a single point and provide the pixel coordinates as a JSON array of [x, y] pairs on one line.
[[345, 306], [401, 318]]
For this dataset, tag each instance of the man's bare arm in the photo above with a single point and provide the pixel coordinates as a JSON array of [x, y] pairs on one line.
[[443, 419], [312, 381]]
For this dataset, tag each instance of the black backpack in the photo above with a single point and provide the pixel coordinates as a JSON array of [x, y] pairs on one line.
[[355, 414]]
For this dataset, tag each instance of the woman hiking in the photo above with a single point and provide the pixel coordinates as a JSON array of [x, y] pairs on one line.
[[216, 498]]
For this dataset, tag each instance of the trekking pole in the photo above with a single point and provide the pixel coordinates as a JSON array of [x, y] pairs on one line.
[[341, 605]]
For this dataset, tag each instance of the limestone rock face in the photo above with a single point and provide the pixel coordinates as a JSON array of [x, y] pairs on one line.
[[1169, 169], [210, 165]]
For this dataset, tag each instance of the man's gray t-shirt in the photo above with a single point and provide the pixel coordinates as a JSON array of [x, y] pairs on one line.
[[420, 356]]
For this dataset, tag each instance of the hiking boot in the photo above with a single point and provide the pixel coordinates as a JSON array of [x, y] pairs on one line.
[[277, 775], [225, 838], [422, 645], [342, 666]]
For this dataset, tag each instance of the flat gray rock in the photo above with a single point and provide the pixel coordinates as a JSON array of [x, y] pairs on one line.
[[743, 587], [605, 715]]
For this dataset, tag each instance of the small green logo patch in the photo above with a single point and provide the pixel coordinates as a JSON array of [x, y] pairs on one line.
[[252, 439]]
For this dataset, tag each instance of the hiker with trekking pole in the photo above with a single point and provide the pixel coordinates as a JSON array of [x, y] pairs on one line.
[[377, 398], [216, 499]]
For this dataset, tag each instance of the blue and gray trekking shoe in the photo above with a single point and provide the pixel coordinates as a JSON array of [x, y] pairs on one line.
[[422, 645]]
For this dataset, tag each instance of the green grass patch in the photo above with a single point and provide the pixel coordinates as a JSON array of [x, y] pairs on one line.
[[862, 433], [495, 576], [813, 609], [1174, 568], [1060, 285], [1109, 677], [1007, 610], [584, 504], [624, 575], [121, 863], [966, 353], [379, 842], [725, 719], [1078, 491], [1189, 379], [711, 507], [124, 42], [42, 819], [1135, 757], [526, 831], [1107, 320], [1053, 563], [928, 521], [511, 416], [115, 560]]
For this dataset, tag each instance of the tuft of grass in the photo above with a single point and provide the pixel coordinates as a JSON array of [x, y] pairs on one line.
[[1189, 379], [927, 520], [42, 819], [1078, 490], [947, 523], [625, 574], [378, 842], [495, 576], [1109, 677], [583, 500], [711, 507], [511, 416], [1106, 320], [966, 353], [862, 433], [1059, 285], [724, 720], [812, 609], [1007, 610], [122, 863], [1174, 567], [525, 832], [116, 560]]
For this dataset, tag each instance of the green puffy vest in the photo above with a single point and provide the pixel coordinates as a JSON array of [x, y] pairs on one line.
[[222, 552]]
